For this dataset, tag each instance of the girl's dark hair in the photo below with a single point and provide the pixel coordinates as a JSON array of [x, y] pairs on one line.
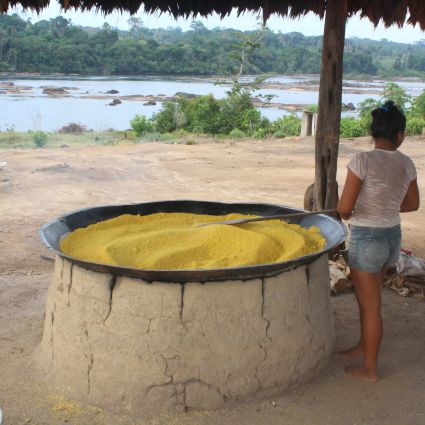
[[387, 121]]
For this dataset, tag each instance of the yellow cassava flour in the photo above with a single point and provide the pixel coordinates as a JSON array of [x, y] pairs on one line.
[[172, 241]]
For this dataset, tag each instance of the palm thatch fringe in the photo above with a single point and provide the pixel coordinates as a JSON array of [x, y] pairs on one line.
[[389, 12]]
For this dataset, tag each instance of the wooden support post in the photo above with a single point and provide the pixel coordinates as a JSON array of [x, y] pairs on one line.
[[330, 97]]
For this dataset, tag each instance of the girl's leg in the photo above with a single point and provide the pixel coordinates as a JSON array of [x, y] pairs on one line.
[[357, 350], [368, 292]]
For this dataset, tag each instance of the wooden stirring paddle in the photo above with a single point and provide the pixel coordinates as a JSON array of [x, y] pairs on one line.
[[268, 217]]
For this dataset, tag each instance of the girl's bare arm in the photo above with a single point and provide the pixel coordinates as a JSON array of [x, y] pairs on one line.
[[350, 193], [412, 200]]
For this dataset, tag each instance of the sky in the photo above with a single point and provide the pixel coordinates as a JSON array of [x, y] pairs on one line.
[[308, 25]]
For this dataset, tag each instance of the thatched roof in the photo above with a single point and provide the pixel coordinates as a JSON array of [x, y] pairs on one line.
[[387, 11]]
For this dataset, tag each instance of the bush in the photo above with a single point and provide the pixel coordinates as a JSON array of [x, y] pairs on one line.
[[352, 127], [236, 133], [289, 125], [414, 126], [141, 125], [261, 133], [39, 138], [180, 133], [266, 125], [279, 134]]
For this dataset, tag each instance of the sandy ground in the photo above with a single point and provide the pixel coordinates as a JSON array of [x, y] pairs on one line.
[[40, 184]]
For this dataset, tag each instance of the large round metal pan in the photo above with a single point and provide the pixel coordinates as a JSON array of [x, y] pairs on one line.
[[53, 232]]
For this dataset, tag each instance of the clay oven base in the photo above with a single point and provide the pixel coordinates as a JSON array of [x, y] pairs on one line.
[[146, 348]]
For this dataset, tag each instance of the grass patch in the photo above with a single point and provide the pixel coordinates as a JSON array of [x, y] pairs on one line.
[[26, 140], [14, 139]]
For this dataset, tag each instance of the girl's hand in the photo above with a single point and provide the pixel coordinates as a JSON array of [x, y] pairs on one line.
[[350, 193], [345, 216]]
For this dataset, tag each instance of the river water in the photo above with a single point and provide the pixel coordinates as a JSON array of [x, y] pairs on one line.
[[88, 104]]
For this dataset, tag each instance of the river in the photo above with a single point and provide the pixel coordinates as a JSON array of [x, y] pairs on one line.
[[87, 102]]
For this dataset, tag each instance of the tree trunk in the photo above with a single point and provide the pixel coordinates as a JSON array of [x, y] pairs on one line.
[[330, 97]]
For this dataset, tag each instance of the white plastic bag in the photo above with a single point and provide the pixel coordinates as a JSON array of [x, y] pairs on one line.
[[408, 265]]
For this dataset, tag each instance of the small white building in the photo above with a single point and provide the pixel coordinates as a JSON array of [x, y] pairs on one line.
[[308, 124]]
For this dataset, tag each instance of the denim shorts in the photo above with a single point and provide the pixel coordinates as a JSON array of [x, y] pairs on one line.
[[374, 248]]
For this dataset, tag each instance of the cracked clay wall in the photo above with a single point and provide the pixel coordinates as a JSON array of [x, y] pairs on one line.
[[138, 347]]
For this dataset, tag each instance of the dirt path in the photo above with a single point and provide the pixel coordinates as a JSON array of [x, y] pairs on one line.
[[38, 185]]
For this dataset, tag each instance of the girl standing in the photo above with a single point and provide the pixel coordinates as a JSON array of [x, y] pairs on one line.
[[380, 184]]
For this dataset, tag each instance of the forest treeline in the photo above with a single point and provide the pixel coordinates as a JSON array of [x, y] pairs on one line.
[[58, 46]]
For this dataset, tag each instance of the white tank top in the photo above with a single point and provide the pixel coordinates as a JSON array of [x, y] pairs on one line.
[[386, 176]]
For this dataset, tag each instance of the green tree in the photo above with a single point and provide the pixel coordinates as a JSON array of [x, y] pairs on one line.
[[136, 26], [205, 115], [365, 107], [250, 120], [58, 26], [68, 59], [233, 107], [398, 94], [165, 120], [398, 64], [242, 51], [141, 125], [418, 105], [198, 26], [359, 63]]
